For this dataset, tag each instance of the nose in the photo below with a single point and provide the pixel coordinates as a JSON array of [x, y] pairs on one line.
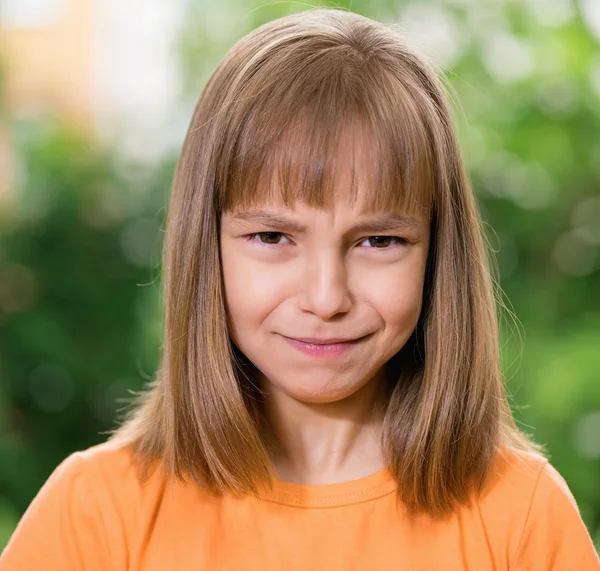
[[325, 289]]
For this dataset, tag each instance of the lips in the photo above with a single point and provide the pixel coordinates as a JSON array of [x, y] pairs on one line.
[[329, 341], [322, 350]]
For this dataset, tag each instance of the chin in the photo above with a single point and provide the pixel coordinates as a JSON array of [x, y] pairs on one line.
[[319, 395]]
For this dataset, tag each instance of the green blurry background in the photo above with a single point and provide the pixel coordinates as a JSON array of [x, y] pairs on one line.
[[81, 227]]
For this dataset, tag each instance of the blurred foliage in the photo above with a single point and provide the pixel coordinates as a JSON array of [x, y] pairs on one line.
[[79, 307], [78, 331]]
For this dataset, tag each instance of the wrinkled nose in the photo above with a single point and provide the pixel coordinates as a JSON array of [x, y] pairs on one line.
[[325, 290]]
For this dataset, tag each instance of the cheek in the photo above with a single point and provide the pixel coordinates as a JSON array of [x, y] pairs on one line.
[[249, 294], [397, 296]]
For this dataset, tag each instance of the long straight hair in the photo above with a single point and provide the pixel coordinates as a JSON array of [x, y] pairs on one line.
[[266, 127]]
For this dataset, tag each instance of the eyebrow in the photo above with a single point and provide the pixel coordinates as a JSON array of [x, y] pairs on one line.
[[378, 223]]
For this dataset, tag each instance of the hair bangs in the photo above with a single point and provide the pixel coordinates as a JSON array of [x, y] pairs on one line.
[[314, 141]]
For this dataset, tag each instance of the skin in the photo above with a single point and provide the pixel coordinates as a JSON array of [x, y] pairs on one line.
[[327, 281]]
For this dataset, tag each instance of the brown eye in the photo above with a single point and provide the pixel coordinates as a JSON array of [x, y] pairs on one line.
[[384, 242], [271, 238]]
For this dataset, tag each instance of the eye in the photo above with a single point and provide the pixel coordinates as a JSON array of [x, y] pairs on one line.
[[271, 237], [382, 242]]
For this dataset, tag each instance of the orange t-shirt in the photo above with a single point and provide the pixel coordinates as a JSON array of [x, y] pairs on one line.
[[92, 514]]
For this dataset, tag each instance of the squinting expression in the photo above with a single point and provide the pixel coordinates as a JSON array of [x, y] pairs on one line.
[[322, 275]]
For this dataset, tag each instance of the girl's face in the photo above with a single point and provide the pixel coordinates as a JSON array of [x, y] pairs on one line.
[[322, 274]]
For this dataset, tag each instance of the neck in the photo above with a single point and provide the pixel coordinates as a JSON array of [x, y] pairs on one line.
[[320, 443]]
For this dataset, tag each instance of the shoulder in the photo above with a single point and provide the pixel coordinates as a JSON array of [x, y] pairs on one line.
[[84, 516], [103, 483], [519, 476], [506, 497], [85, 473], [511, 485], [112, 474], [514, 475], [528, 506], [103, 463], [107, 462]]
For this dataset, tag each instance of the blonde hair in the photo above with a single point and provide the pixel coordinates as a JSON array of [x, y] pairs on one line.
[[265, 126]]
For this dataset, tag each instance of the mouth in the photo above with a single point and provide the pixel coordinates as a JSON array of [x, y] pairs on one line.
[[333, 341], [323, 350]]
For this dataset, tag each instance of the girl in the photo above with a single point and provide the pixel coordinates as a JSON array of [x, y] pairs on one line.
[[330, 395]]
